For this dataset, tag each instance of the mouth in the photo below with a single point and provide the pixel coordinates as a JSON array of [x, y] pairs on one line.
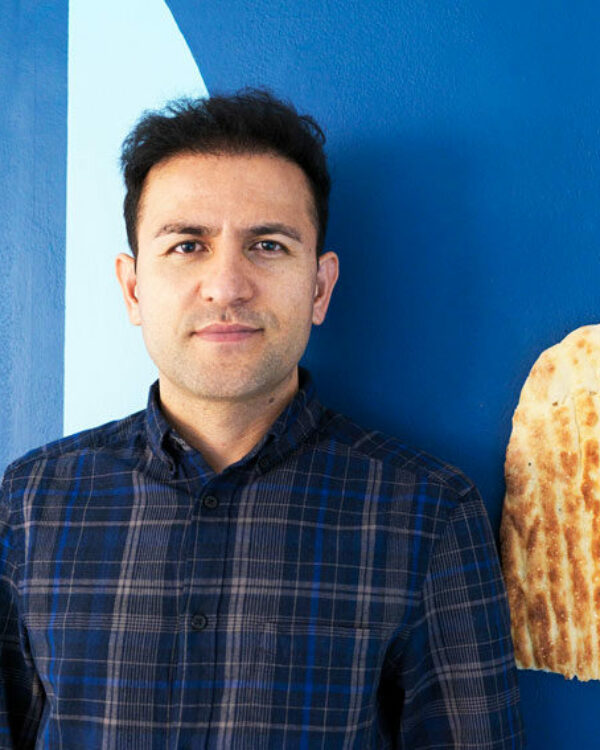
[[223, 332]]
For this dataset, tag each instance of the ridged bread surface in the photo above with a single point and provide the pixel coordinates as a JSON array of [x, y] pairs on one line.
[[550, 531]]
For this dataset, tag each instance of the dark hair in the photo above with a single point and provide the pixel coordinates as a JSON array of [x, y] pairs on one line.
[[250, 121]]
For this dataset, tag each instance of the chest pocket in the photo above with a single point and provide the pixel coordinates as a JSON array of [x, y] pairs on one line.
[[330, 672]]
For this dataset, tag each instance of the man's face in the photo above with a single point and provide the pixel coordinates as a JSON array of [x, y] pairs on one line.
[[227, 284]]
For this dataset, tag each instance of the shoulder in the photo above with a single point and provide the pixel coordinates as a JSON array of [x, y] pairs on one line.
[[394, 457], [123, 436], [413, 498]]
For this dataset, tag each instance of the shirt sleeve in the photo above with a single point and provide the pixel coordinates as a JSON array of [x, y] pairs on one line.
[[457, 674], [21, 692]]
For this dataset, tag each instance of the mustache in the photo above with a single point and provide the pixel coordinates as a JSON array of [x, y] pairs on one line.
[[241, 317]]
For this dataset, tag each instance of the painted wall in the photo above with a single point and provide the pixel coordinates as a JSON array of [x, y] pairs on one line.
[[464, 145], [33, 149]]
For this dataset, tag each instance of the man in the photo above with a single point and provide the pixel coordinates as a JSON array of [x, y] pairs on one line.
[[236, 566]]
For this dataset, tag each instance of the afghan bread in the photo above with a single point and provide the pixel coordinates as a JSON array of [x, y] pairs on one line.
[[550, 532]]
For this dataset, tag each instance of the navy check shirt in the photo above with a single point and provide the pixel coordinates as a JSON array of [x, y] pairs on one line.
[[333, 589]]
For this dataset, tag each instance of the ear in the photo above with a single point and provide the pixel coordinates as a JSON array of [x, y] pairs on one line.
[[125, 268], [327, 275]]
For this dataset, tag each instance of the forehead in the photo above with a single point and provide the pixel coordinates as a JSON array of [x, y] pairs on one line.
[[226, 187]]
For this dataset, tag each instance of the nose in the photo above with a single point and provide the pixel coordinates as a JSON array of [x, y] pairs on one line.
[[226, 278]]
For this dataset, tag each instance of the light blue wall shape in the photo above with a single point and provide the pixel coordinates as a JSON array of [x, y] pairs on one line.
[[33, 133], [107, 369], [464, 141]]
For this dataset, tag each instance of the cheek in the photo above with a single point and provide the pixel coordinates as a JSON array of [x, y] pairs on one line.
[[295, 301], [160, 297], [156, 311], [295, 289]]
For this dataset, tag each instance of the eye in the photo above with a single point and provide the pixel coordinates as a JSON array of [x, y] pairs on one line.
[[187, 247], [269, 247]]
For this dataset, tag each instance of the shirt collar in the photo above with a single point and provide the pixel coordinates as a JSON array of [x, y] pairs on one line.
[[290, 429]]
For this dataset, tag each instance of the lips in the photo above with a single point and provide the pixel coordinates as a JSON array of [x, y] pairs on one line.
[[226, 332]]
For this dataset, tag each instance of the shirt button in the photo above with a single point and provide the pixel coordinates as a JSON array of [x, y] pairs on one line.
[[199, 621], [211, 502], [263, 463]]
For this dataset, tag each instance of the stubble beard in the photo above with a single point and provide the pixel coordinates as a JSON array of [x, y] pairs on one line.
[[229, 382], [227, 378]]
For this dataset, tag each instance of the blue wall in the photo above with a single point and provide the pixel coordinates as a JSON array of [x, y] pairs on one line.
[[33, 147], [464, 141]]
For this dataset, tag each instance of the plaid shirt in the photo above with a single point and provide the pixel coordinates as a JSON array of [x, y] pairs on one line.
[[332, 589]]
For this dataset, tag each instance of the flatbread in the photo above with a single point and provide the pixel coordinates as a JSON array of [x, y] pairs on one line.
[[550, 532]]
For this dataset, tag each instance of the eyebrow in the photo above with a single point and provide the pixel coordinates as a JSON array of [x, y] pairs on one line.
[[195, 229], [199, 230], [276, 228]]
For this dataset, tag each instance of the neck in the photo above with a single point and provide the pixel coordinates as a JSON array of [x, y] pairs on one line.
[[224, 431]]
